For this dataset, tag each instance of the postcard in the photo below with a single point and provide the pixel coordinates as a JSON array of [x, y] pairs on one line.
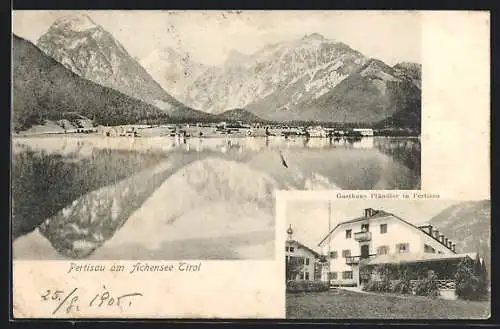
[[386, 255], [150, 149]]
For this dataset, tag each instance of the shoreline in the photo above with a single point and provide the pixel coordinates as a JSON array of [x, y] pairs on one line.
[[221, 136]]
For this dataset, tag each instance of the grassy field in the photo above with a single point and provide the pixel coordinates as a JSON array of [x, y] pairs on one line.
[[341, 304]]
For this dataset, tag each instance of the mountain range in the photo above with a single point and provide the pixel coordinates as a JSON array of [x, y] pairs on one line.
[[307, 79], [468, 225]]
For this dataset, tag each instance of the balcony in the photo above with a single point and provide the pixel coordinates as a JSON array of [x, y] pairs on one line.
[[355, 260], [362, 236], [352, 260]]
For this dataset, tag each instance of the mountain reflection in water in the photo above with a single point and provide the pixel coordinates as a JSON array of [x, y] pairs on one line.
[[79, 192]]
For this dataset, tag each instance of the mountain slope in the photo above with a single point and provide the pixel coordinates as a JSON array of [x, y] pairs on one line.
[[93, 53], [173, 71], [239, 115], [468, 225], [370, 94], [45, 89]]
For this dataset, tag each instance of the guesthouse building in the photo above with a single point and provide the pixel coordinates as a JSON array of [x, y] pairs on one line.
[[355, 247]]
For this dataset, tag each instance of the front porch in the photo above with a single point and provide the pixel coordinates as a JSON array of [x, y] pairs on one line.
[[414, 267], [417, 265]]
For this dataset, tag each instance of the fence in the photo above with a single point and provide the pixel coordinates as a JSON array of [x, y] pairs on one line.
[[449, 284]]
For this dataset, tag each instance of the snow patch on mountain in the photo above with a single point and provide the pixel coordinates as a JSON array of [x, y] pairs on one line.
[[76, 43]]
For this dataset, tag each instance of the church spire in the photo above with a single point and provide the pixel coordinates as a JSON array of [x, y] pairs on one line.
[[289, 231]]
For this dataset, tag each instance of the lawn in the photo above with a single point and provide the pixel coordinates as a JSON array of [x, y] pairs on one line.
[[342, 304]]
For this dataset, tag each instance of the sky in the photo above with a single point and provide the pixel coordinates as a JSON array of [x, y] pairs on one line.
[[309, 219], [209, 36]]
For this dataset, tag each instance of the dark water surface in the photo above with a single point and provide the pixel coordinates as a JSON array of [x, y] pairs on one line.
[[50, 173]]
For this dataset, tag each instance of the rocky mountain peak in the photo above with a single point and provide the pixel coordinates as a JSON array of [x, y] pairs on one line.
[[314, 36], [75, 22], [408, 65]]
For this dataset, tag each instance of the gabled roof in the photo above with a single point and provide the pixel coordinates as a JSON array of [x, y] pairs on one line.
[[379, 214], [303, 246]]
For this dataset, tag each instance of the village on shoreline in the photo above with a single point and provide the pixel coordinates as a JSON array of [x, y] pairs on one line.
[[211, 130]]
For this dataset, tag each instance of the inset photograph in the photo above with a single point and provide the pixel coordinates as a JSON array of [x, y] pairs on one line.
[[388, 259]]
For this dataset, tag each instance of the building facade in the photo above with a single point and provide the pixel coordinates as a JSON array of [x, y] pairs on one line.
[[378, 236], [364, 131], [301, 261]]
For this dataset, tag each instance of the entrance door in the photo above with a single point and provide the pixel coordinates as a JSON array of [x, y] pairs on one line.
[[365, 251]]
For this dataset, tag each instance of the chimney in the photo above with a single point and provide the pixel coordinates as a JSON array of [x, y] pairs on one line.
[[429, 229], [453, 247], [369, 212], [445, 240], [436, 234], [441, 238]]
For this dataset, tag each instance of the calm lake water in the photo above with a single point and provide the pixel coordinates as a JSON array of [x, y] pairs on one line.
[[84, 193]]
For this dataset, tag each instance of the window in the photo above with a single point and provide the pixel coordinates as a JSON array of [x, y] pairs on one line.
[[382, 250], [307, 261], [334, 275], [348, 234], [365, 227], [287, 259], [333, 254], [291, 249], [307, 275], [402, 247], [383, 228], [347, 275], [346, 253], [429, 249], [287, 248]]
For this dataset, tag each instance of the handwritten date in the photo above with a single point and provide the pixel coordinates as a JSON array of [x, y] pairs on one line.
[[72, 301]]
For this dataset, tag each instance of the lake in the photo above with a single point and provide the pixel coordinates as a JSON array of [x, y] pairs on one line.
[[92, 197]]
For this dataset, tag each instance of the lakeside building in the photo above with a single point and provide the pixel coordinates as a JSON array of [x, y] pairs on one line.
[[302, 258], [354, 248], [364, 131]]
